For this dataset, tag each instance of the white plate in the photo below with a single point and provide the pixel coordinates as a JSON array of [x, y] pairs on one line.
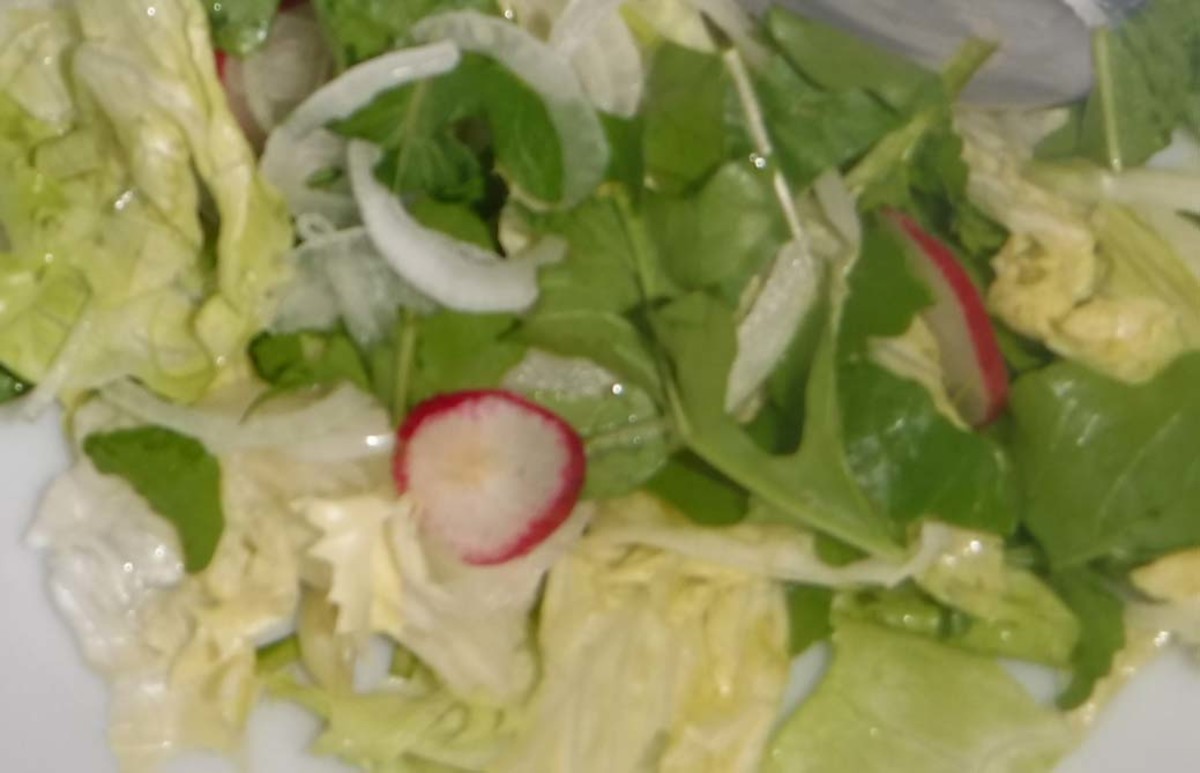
[[52, 709]]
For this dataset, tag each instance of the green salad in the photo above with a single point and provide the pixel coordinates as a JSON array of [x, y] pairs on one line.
[[523, 386]]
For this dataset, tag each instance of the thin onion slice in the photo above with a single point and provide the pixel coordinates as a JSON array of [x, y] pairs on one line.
[[548, 72], [454, 273], [791, 291], [301, 147], [604, 53]]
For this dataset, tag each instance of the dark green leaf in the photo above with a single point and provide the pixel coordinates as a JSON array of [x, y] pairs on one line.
[[456, 220], [600, 271], [808, 616], [11, 386], [700, 492], [240, 26], [1109, 469], [727, 231], [438, 133], [463, 351], [1102, 631], [686, 100], [291, 361], [358, 30], [838, 61], [626, 166], [1147, 84], [178, 478], [813, 130]]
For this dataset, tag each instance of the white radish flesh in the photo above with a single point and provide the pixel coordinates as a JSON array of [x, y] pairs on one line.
[[493, 474]]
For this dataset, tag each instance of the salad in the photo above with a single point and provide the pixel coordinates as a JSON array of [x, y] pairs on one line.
[[523, 386]]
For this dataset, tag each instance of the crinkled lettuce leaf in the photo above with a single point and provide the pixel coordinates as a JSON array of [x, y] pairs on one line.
[[652, 661], [141, 240], [894, 702], [1090, 278], [469, 624]]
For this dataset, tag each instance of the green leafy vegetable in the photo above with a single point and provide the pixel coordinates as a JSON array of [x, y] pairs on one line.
[[148, 289], [363, 29], [838, 61], [462, 351], [814, 130], [435, 133], [1147, 84], [1102, 631], [176, 475], [700, 492], [725, 232], [11, 387], [687, 102], [1108, 469], [809, 607], [240, 26], [297, 360], [894, 702]]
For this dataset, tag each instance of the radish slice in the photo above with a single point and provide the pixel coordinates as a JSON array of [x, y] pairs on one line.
[[454, 273], [493, 474], [974, 369]]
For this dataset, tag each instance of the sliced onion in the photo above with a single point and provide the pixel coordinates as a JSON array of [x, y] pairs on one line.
[[341, 276], [345, 424], [791, 291], [293, 63], [301, 147], [604, 53], [454, 273], [548, 72]]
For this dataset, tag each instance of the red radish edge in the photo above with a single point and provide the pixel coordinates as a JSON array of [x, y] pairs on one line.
[[551, 513], [988, 360], [223, 58]]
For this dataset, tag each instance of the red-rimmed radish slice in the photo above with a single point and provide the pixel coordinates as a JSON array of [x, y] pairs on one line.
[[493, 474], [974, 371]]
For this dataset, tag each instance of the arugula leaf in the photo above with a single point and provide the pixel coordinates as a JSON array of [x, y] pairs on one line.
[[815, 487], [1147, 84], [359, 30], [726, 232], [291, 361], [462, 351], [436, 134], [1108, 469], [11, 386], [239, 27], [700, 492], [1101, 618], [687, 105], [838, 61], [176, 475], [809, 607], [812, 130]]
